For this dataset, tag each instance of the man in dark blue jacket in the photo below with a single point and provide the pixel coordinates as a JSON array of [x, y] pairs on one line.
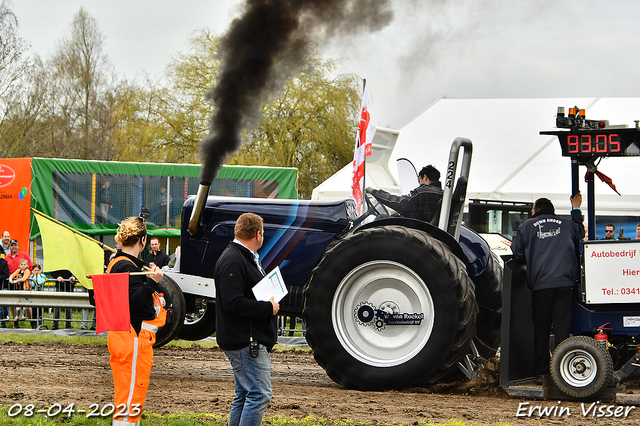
[[547, 243], [245, 327]]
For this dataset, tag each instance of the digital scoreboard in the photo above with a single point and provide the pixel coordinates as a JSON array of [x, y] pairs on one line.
[[598, 142], [593, 138]]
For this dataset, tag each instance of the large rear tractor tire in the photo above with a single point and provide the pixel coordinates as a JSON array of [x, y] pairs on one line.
[[489, 298], [389, 308], [581, 367], [175, 300], [199, 321]]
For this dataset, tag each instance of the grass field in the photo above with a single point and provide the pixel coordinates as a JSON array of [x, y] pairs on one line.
[[17, 414]]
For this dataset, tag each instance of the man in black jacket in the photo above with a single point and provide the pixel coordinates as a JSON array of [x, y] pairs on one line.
[[245, 327], [421, 203], [156, 255], [547, 243]]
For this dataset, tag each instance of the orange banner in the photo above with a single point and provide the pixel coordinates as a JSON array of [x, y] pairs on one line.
[[15, 199]]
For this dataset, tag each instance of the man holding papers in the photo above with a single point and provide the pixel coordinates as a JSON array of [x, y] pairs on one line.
[[245, 327]]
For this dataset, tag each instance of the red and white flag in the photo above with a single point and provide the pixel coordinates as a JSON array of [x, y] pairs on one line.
[[362, 151], [111, 292]]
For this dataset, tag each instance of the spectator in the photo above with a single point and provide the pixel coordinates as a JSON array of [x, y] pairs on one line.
[[156, 256], [174, 263], [14, 257], [20, 281], [609, 230], [65, 282], [85, 316], [85, 319], [4, 284], [547, 243], [6, 237], [115, 253], [164, 203], [105, 202], [36, 283], [421, 203]]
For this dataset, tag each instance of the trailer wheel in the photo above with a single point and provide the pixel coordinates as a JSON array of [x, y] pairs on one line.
[[175, 299], [489, 298], [581, 367], [389, 308], [199, 322]]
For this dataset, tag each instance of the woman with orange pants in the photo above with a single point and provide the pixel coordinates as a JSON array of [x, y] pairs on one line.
[[132, 351]]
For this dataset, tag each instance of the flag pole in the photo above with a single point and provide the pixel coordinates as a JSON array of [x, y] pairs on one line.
[[102, 245], [364, 163]]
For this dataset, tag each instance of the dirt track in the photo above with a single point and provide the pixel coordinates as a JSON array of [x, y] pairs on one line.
[[199, 380]]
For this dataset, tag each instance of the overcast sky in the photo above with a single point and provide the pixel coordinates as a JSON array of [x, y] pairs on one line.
[[432, 48]]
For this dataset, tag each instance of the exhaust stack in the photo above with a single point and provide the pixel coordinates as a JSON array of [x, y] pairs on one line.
[[198, 206]]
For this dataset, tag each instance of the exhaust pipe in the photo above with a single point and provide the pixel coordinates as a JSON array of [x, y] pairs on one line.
[[198, 207]]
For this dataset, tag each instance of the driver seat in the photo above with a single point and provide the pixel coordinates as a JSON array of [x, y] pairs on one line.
[[457, 201]]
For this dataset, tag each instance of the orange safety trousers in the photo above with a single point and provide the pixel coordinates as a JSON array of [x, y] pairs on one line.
[[131, 361]]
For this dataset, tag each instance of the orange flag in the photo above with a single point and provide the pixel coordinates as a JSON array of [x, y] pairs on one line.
[[112, 302]]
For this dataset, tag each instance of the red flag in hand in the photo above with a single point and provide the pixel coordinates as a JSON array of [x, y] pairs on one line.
[[112, 302]]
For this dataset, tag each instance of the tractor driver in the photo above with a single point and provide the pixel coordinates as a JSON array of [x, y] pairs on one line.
[[421, 203]]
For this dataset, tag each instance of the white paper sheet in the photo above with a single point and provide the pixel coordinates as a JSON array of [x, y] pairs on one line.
[[272, 285]]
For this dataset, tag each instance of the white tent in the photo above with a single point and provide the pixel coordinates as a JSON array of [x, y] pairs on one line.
[[511, 160]]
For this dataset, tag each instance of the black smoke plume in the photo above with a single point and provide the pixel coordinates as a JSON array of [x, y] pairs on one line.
[[262, 48]]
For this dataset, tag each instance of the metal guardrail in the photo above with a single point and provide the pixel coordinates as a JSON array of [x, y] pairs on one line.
[[45, 299]]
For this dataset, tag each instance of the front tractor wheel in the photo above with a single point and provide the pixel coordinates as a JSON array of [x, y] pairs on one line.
[[199, 320], [581, 367], [175, 300], [389, 308]]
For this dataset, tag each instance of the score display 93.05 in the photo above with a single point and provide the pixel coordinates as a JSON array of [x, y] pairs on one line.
[[598, 143], [591, 144], [594, 138]]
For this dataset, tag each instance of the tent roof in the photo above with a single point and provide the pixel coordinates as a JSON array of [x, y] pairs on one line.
[[511, 160]]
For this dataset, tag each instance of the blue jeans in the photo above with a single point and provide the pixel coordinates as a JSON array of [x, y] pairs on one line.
[[252, 380], [4, 313]]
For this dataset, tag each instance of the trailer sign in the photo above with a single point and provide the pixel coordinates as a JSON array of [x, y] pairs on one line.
[[612, 271]]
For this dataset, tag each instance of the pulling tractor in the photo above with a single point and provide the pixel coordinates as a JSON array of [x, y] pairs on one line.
[[388, 302], [603, 355]]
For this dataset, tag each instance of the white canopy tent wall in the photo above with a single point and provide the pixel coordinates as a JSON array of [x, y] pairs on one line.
[[511, 160]]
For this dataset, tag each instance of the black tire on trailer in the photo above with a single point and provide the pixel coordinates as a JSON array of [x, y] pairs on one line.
[[581, 367], [175, 299], [394, 269], [489, 298], [200, 322]]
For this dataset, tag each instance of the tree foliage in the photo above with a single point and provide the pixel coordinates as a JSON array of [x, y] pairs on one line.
[[310, 126]]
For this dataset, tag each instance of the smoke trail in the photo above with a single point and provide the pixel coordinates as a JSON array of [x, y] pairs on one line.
[[262, 48]]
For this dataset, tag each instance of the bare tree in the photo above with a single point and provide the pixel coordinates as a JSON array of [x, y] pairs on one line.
[[81, 75], [14, 72]]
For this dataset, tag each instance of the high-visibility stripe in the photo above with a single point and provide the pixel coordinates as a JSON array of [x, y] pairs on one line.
[[149, 327], [132, 384]]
